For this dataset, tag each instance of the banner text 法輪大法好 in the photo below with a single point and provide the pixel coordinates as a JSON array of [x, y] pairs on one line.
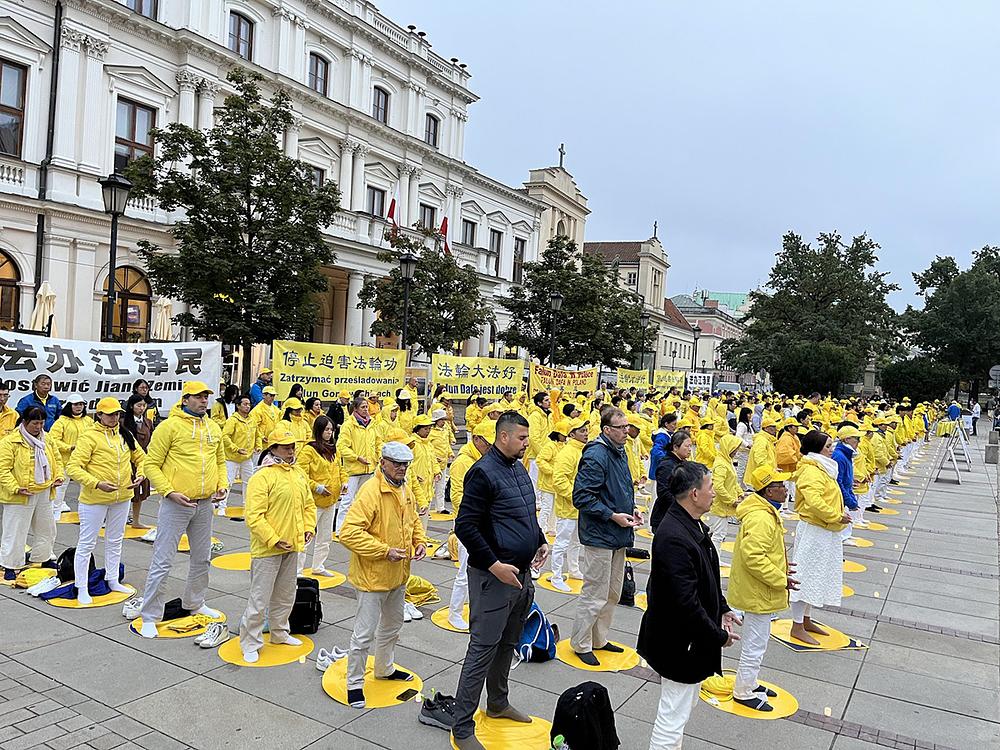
[[324, 370], [462, 375]]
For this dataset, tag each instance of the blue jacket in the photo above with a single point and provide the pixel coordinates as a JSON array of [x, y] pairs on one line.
[[661, 444], [257, 393], [52, 407], [843, 454], [602, 488]]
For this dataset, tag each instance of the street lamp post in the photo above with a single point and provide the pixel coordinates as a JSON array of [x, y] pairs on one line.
[[694, 350], [703, 365], [407, 268], [555, 305], [115, 190], [673, 357], [643, 325]]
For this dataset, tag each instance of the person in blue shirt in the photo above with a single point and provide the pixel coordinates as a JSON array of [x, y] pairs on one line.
[[954, 411], [264, 378], [843, 453], [41, 396]]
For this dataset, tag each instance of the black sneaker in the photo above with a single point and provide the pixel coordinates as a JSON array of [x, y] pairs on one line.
[[434, 713], [50, 564], [356, 698], [400, 675], [893, 481], [872, 509]]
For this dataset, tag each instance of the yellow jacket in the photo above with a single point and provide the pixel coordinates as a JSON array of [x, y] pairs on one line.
[[762, 453], [278, 508], [724, 479], [891, 449], [102, 455], [546, 462], [8, 418], [265, 417], [186, 455], [459, 468], [634, 460], [66, 432], [218, 413], [539, 427], [817, 495], [381, 516], [860, 465], [239, 432], [441, 440], [357, 442], [319, 471], [595, 425], [406, 419], [759, 577], [705, 448], [473, 416], [880, 451], [17, 469], [564, 475], [420, 476], [300, 429], [788, 452]]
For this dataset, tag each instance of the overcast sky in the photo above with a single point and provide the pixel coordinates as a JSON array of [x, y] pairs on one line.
[[731, 123]]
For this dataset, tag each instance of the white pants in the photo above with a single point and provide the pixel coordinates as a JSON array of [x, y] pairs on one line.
[[800, 611], [718, 526], [34, 516], [272, 594], [883, 485], [567, 546], [460, 589], [379, 619], [753, 642], [92, 517], [533, 474], [790, 500], [437, 505], [547, 516], [676, 701], [60, 499], [241, 469], [320, 542], [354, 483]]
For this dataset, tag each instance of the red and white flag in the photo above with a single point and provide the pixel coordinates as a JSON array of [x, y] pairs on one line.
[[444, 233], [393, 213]]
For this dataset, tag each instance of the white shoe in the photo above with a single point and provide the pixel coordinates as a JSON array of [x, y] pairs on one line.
[[535, 574], [221, 511], [412, 611], [441, 553], [458, 623], [148, 630], [290, 641], [216, 634], [326, 658], [406, 613], [250, 657], [131, 608], [560, 585], [322, 572], [851, 542], [861, 525], [207, 612], [64, 508], [149, 536]]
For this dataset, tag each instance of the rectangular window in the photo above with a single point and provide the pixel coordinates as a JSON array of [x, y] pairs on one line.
[[376, 201], [431, 127], [145, 8], [631, 279], [380, 105], [12, 83], [468, 233], [319, 176], [133, 139], [517, 276], [241, 35], [318, 73], [496, 243], [428, 216]]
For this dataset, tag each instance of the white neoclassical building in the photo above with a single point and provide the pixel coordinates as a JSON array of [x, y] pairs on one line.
[[377, 110]]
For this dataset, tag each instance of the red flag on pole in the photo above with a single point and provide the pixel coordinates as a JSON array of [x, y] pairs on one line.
[[444, 233]]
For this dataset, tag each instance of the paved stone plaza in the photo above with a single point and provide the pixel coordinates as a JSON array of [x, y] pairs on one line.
[[927, 605]]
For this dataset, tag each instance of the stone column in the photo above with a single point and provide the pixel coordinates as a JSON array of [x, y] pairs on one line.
[[206, 104], [367, 318], [352, 332], [413, 195], [484, 342], [93, 145], [358, 178], [454, 210], [412, 107], [403, 217], [354, 82], [67, 119], [187, 82], [292, 137], [339, 314], [347, 147]]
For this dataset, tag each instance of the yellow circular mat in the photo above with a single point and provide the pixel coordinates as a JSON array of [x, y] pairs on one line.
[[888, 512], [892, 501], [440, 618], [130, 532], [725, 570], [897, 493], [728, 546], [235, 511], [115, 597], [502, 734], [575, 584], [862, 542], [854, 567], [184, 546], [875, 526], [782, 630], [644, 533], [270, 656], [232, 561], [640, 601], [846, 591], [784, 704], [443, 516], [69, 517], [378, 693], [325, 582], [432, 545], [163, 628], [610, 662]]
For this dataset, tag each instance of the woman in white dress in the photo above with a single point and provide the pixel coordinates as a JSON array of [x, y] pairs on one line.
[[745, 432], [819, 550]]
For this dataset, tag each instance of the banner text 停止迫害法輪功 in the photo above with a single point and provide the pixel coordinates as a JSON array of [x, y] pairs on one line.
[[463, 376], [565, 381], [666, 379], [324, 370], [633, 379]]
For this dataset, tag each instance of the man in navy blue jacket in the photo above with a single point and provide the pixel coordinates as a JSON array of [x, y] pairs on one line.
[[498, 526], [843, 454]]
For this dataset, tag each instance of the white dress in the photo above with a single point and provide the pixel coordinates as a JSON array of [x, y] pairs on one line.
[[818, 555]]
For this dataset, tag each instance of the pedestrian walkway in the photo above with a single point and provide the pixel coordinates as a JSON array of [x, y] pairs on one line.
[[927, 605]]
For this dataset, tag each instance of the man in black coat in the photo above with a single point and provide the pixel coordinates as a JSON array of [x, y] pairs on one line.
[[687, 622], [338, 412]]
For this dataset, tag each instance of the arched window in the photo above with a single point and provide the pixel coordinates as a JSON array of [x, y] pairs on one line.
[[10, 294], [319, 73], [133, 304], [561, 229], [432, 127], [380, 105], [241, 35]]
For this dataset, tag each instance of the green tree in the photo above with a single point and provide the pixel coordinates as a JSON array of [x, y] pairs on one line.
[[920, 378], [821, 315], [249, 236], [445, 302], [959, 324], [598, 322]]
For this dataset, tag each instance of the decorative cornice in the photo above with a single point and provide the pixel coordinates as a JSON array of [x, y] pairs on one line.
[[187, 81], [455, 190], [71, 38], [361, 149], [208, 88], [96, 48]]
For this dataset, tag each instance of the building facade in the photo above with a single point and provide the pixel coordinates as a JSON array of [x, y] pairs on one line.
[[715, 325], [377, 110]]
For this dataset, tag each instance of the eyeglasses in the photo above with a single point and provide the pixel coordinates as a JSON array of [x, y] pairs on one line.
[[619, 426], [397, 464]]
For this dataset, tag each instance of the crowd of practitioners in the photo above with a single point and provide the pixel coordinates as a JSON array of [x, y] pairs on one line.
[[586, 469]]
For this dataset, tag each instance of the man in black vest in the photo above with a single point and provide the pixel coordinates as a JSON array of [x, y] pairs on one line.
[[687, 622], [498, 527]]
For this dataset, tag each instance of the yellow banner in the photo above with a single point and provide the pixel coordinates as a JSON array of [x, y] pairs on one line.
[[633, 378], [666, 379], [567, 381], [326, 369], [463, 375]]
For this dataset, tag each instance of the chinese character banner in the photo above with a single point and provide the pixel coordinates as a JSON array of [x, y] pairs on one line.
[[665, 379], [567, 381], [633, 378], [463, 375], [326, 369], [96, 369]]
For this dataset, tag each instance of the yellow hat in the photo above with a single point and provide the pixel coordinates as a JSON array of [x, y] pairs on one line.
[[707, 422], [280, 436], [762, 476], [577, 423], [848, 432], [396, 435], [266, 371], [492, 407], [292, 403], [562, 427], [867, 426], [729, 444], [487, 430], [344, 394], [109, 405], [270, 389], [768, 420], [634, 420], [422, 421], [389, 401], [194, 388]]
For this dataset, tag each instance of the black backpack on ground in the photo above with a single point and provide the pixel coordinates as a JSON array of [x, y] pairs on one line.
[[585, 719], [637, 553], [64, 565], [627, 598], [307, 612]]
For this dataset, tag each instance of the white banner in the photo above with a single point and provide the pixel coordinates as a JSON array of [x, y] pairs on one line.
[[96, 369], [699, 381]]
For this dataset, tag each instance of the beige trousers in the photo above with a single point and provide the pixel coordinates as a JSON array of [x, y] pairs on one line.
[[603, 575], [34, 516], [379, 618], [272, 593]]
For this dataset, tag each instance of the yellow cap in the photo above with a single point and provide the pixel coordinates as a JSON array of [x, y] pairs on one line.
[[562, 427], [762, 476], [768, 420], [496, 406], [270, 389], [344, 394], [576, 424], [280, 436], [390, 402], [195, 387], [266, 371], [848, 432], [292, 403], [487, 430], [422, 421], [109, 405]]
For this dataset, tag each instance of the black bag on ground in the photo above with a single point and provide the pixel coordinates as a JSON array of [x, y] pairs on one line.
[[585, 719], [173, 610], [627, 598], [307, 612], [637, 553], [64, 565]]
